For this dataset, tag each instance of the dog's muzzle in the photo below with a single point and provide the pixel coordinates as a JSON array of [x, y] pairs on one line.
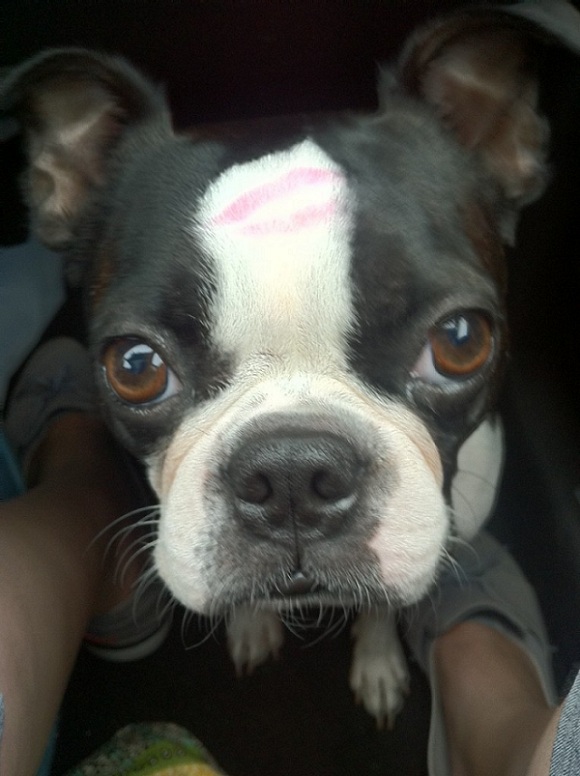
[[291, 492]]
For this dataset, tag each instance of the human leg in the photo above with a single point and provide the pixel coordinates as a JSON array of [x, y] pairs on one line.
[[52, 572], [482, 642], [497, 718], [60, 550]]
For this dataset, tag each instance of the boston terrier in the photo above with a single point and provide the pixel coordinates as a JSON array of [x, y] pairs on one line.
[[300, 326]]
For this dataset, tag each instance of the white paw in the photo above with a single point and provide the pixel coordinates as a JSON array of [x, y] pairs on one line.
[[253, 637], [379, 676]]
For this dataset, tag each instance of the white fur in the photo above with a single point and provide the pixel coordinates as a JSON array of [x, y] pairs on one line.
[[254, 635], [475, 486], [280, 292], [379, 676]]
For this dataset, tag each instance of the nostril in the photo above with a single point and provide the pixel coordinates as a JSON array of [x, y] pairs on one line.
[[254, 488], [331, 485]]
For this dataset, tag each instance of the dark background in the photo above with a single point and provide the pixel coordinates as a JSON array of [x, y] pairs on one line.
[[227, 60]]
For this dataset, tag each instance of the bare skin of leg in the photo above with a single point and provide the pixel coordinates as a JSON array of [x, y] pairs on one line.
[[497, 719], [53, 577]]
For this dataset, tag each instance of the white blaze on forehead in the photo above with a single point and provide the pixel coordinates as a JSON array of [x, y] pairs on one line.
[[278, 231]]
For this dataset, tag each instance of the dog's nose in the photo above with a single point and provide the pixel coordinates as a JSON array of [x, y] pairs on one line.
[[295, 480]]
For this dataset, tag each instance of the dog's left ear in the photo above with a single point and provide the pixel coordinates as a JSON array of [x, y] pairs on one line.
[[477, 68], [75, 107]]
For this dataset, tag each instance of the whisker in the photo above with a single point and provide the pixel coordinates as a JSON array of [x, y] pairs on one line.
[[170, 603], [146, 579], [214, 624], [186, 618], [337, 624], [150, 509], [211, 633], [147, 547], [294, 623]]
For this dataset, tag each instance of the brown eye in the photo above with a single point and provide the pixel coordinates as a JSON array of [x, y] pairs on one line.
[[136, 372], [461, 345]]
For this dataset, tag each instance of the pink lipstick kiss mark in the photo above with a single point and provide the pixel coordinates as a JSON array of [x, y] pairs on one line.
[[277, 207]]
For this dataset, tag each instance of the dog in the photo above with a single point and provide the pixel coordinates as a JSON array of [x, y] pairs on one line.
[[301, 330]]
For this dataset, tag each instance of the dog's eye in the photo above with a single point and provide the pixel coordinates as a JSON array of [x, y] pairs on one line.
[[136, 372], [457, 348]]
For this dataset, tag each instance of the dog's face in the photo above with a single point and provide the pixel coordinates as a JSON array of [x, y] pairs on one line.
[[299, 336], [298, 360]]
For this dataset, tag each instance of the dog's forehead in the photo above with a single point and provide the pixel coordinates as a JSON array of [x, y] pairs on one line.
[[281, 191], [289, 249], [278, 231]]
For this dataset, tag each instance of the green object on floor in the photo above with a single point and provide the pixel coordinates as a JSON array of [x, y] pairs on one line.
[[149, 749]]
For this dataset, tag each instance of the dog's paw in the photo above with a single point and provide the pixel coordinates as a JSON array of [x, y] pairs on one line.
[[253, 637], [379, 676]]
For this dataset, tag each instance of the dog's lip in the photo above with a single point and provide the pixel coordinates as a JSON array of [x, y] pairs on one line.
[[297, 584]]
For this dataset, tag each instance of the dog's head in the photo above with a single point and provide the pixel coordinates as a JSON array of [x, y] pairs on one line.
[[302, 336]]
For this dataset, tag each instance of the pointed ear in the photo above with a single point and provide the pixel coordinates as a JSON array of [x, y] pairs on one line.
[[75, 106], [477, 69]]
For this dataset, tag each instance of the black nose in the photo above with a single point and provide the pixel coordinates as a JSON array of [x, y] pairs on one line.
[[302, 480]]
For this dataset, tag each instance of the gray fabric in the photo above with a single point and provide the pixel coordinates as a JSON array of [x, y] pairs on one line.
[[566, 751]]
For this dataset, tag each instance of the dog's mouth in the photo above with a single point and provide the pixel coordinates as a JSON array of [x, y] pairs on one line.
[[297, 585], [300, 588], [290, 588]]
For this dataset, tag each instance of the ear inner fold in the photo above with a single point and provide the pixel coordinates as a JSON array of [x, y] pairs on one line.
[[74, 105], [484, 92], [477, 70], [74, 124]]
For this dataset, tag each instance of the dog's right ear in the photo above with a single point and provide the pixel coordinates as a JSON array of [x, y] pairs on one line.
[[75, 106], [478, 70]]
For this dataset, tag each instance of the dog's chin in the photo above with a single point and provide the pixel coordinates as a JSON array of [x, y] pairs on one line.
[[282, 603], [316, 596], [314, 602], [291, 593]]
